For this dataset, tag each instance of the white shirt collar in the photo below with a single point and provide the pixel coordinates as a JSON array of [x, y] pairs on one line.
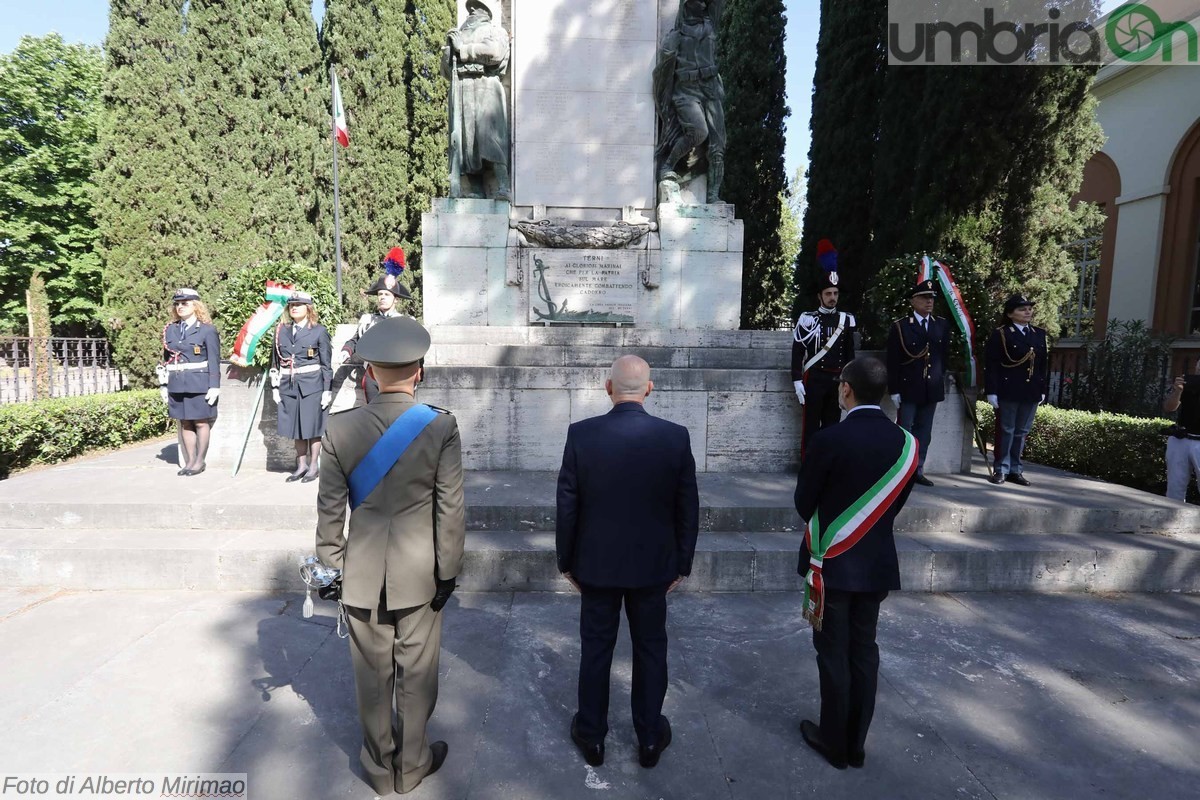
[[824, 310], [919, 318], [859, 408]]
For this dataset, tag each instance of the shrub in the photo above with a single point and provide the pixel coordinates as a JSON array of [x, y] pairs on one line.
[[53, 430], [1127, 371], [244, 291], [1113, 447]]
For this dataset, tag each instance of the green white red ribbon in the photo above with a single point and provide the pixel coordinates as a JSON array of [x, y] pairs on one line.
[[851, 525], [931, 269], [259, 323]]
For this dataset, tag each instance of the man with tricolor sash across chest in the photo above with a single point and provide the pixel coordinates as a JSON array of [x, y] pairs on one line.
[[855, 478], [397, 464], [822, 343]]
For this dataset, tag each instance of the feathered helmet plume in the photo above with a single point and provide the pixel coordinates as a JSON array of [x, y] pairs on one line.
[[827, 259], [393, 265], [393, 262]]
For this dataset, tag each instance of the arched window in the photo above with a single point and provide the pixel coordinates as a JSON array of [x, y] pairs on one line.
[[1177, 294], [1102, 186]]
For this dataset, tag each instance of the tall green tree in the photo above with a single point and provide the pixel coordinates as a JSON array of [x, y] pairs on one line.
[[753, 67], [429, 20], [150, 229], [49, 107], [367, 43], [258, 112]]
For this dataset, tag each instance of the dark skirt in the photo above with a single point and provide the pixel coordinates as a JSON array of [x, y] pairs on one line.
[[300, 417], [190, 407]]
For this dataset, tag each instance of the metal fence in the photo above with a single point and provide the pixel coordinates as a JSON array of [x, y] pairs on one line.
[[1080, 313], [57, 367]]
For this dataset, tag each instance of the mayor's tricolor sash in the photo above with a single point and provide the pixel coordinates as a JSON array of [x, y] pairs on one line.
[[853, 523]]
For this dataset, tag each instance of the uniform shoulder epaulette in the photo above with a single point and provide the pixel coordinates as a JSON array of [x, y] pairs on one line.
[[440, 410], [850, 318], [365, 318]]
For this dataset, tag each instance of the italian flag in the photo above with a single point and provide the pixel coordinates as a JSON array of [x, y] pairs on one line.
[[260, 321], [851, 525], [932, 270], [340, 130]]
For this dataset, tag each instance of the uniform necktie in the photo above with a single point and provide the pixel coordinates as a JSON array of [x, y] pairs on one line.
[[925, 324]]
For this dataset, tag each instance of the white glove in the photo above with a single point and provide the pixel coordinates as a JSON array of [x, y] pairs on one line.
[[340, 357], [326, 399], [1043, 399], [211, 396], [275, 396], [993, 400], [799, 390], [162, 392], [896, 400]]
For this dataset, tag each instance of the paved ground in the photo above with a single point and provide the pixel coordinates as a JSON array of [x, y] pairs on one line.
[[1022, 696]]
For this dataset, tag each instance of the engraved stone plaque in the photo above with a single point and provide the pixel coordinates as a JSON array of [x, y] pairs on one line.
[[582, 102], [581, 286]]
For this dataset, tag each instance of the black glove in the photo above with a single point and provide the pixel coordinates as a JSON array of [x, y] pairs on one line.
[[331, 592], [442, 596]]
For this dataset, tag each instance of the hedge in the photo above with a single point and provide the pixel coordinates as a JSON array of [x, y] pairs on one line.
[[1117, 448], [53, 430]]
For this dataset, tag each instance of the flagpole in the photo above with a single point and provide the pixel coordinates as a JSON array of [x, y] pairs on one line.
[[337, 220]]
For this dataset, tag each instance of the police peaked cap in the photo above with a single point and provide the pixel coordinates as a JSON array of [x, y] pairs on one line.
[[922, 288], [394, 342], [299, 298], [1015, 302], [185, 294]]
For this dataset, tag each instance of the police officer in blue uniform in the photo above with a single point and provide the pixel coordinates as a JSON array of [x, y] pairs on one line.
[[917, 349], [822, 343], [189, 376], [302, 377], [1016, 377]]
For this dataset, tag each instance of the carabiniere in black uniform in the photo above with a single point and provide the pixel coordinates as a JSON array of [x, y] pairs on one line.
[[812, 333], [303, 357]]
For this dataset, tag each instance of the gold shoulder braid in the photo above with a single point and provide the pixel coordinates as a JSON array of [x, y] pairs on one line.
[[1009, 362], [911, 356]]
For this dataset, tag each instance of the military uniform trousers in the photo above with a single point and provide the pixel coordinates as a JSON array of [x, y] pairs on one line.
[[821, 407], [1014, 418], [395, 656], [918, 420]]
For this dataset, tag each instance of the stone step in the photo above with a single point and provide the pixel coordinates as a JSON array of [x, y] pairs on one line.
[[608, 337], [256, 560], [109, 493], [592, 377], [572, 355]]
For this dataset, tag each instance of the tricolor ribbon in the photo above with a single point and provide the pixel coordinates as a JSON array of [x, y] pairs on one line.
[[931, 269], [851, 525], [259, 323]]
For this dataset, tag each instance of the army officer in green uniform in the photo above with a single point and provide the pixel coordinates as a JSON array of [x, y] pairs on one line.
[[397, 464]]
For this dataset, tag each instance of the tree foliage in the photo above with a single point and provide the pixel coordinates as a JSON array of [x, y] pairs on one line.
[[753, 66], [979, 164], [49, 104]]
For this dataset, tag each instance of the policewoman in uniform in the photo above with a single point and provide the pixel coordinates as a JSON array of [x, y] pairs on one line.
[[1016, 377], [917, 349], [189, 376], [302, 379], [397, 464], [387, 288], [822, 343]]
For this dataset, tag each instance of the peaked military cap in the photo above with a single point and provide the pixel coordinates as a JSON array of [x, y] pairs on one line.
[[185, 294], [1016, 301], [299, 298], [394, 342], [922, 288]]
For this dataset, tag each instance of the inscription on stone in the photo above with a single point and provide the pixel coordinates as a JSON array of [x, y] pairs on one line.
[[574, 286]]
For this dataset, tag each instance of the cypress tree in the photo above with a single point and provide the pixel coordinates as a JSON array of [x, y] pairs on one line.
[[753, 66], [429, 20], [367, 43], [145, 206], [257, 112]]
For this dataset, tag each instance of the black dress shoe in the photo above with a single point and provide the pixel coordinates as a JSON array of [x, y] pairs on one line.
[[440, 751], [593, 754], [856, 760], [182, 471], [812, 737], [648, 755], [294, 478], [310, 478], [996, 478], [1017, 478], [921, 479]]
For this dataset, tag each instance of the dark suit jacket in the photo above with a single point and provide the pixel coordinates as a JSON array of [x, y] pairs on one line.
[[906, 375], [842, 463], [628, 509], [303, 347], [1006, 375], [199, 344]]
